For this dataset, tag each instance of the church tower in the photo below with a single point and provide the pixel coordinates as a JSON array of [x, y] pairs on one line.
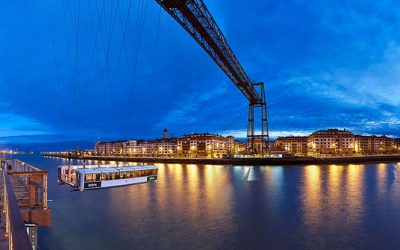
[[165, 134]]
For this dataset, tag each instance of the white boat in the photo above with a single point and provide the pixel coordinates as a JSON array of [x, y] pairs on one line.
[[104, 176]]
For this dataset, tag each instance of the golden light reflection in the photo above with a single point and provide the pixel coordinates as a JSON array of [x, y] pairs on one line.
[[311, 199], [382, 179], [312, 187], [395, 185], [332, 196], [193, 183], [334, 189], [195, 192], [354, 193]]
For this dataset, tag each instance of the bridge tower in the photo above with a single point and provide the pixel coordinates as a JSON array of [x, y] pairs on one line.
[[195, 18]]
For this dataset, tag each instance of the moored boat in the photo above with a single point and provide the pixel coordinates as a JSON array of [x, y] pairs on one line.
[[95, 177]]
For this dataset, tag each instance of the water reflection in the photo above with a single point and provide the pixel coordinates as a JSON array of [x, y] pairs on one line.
[[312, 199], [381, 175], [333, 197]]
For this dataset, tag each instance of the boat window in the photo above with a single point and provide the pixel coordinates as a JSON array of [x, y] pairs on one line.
[[89, 177]]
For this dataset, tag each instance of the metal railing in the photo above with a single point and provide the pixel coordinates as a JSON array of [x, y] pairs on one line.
[[34, 179], [15, 227]]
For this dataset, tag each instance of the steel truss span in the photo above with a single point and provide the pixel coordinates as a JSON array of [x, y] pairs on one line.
[[195, 18]]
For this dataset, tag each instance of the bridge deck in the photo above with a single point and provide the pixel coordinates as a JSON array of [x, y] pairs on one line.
[[3, 238]]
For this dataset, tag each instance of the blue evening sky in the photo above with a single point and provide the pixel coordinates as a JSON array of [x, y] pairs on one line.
[[103, 69]]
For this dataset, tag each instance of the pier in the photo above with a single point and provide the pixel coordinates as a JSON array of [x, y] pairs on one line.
[[23, 204]]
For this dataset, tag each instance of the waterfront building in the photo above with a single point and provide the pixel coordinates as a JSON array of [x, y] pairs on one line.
[[110, 148], [292, 144], [152, 148], [240, 147], [198, 145], [376, 144], [337, 142], [205, 145], [332, 142]]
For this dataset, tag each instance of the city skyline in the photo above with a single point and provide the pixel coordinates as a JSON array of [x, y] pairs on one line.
[[326, 66]]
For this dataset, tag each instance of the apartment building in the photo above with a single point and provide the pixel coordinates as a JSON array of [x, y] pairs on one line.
[[110, 148], [376, 144], [332, 141], [292, 144], [198, 145], [337, 142], [205, 145]]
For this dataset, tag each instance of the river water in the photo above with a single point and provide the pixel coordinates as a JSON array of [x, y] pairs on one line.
[[231, 207]]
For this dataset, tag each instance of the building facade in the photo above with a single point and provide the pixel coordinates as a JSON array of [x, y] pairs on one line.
[[337, 142], [206, 145], [292, 144], [203, 145], [376, 144], [332, 142], [110, 148], [151, 148]]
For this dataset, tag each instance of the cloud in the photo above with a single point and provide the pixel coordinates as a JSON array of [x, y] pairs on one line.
[[17, 125], [192, 103], [365, 99]]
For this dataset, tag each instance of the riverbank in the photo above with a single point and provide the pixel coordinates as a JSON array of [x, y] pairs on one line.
[[242, 161]]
